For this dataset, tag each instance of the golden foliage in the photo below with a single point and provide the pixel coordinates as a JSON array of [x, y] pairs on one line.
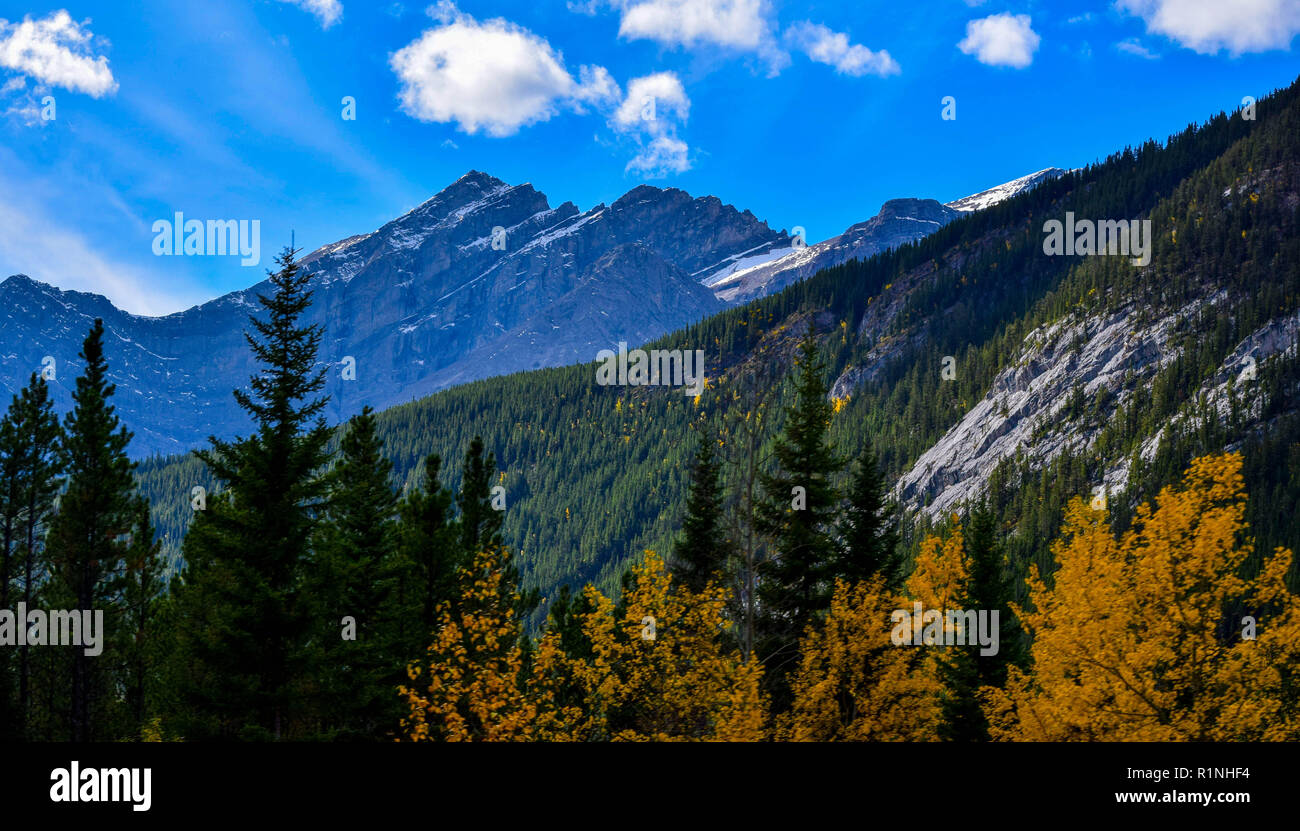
[[939, 576], [1132, 640], [687, 683], [470, 689], [853, 683]]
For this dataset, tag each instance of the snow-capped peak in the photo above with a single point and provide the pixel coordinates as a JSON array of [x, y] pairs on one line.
[[1006, 190]]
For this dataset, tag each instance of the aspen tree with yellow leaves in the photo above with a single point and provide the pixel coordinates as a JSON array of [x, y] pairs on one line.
[[468, 689], [661, 670], [853, 683], [1132, 641]]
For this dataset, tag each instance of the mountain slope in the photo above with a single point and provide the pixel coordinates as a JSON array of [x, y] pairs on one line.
[[899, 221], [483, 279], [992, 196], [1066, 369], [460, 288]]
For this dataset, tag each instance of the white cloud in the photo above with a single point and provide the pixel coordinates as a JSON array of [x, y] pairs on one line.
[[1001, 40], [595, 86], [662, 156], [823, 45], [56, 50], [448, 144], [327, 12], [651, 112], [734, 25], [1133, 46], [653, 103], [739, 24], [491, 75], [1206, 26]]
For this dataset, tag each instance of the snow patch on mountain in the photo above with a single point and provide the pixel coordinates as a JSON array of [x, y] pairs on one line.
[[1006, 190]]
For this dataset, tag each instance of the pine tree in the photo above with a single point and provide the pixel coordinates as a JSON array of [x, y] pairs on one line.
[[868, 531], [142, 595], [796, 513], [29, 469], [431, 556], [95, 512], [480, 523], [964, 670], [355, 578], [12, 461], [703, 552], [244, 623], [12, 455]]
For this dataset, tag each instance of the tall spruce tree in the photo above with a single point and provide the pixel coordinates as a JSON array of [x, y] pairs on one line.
[[12, 454], [797, 514], [355, 577], [703, 552], [42, 463], [95, 513], [244, 622], [868, 528], [431, 554], [964, 670], [146, 573], [480, 523]]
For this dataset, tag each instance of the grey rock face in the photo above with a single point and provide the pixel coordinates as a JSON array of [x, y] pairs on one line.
[[900, 221], [485, 278]]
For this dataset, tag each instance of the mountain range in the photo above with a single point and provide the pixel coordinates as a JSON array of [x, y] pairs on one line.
[[483, 279]]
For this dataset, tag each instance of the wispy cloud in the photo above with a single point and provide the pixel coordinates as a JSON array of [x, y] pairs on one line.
[[328, 12], [1134, 47], [39, 241], [652, 111], [824, 45]]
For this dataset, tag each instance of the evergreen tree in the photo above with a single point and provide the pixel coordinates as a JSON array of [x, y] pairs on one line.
[[12, 455], [963, 669], [244, 623], [143, 594], [868, 530], [39, 477], [94, 514], [796, 513], [703, 551], [430, 555], [480, 525], [355, 578]]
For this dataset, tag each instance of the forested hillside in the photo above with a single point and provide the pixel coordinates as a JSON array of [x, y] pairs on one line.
[[594, 475]]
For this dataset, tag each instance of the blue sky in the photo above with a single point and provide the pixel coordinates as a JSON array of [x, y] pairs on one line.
[[808, 114]]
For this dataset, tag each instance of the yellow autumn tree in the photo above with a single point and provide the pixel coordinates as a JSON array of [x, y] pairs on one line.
[[661, 670], [1132, 639], [939, 576], [853, 683], [468, 689]]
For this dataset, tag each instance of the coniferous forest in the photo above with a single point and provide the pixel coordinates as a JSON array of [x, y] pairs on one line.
[[537, 557]]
